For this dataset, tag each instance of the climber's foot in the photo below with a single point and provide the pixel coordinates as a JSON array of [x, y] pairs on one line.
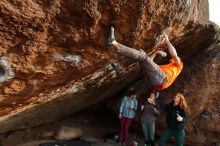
[[111, 38], [117, 69]]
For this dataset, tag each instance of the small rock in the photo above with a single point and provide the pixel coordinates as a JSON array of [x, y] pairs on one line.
[[67, 133]]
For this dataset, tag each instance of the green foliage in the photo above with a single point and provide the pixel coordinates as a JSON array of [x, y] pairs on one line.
[[216, 44], [217, 29]]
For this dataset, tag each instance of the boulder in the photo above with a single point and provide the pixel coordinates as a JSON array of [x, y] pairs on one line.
[[58, 55], [68, 133]]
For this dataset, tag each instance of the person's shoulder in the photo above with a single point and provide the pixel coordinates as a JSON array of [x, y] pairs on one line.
[[148, 104], [151, 106], [181, 110], [125, 98], [169, 104]]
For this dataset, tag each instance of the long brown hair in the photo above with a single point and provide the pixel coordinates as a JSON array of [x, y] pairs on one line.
[[183, 104]]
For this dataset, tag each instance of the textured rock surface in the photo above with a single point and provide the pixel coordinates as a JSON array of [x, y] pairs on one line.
[[58, 53]]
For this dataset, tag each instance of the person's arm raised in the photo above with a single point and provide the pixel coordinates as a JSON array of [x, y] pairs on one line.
[[171, 49]]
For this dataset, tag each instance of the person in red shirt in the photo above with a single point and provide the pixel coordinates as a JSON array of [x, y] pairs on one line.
[[158, 77]]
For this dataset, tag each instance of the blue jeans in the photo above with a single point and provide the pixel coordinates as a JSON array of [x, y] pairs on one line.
[[149, 130], [179, 135]]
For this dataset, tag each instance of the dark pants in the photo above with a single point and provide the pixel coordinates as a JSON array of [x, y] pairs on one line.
[[125, 124], [179, 135], [154, 76]]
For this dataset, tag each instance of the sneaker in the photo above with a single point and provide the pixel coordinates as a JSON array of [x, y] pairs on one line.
[[117, 69], [112, 36], [134, 143]]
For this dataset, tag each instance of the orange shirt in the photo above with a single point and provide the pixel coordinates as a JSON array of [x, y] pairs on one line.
[[172, 70]]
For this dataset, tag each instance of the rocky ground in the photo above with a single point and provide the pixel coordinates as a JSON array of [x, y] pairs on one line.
[[93, 125], [96, 125]]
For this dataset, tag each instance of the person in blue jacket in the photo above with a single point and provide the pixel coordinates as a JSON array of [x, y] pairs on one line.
[[128, 108]]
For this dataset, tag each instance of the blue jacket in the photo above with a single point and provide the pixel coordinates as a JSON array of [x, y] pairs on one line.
[[126, 102]]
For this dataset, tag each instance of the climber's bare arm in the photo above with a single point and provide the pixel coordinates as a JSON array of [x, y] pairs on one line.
[[172, 50]]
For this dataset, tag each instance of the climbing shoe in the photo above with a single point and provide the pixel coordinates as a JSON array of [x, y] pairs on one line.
[[111, 36], [117, 69]]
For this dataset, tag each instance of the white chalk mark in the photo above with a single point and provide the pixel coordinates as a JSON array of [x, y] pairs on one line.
[[8, 73], [73, 59]]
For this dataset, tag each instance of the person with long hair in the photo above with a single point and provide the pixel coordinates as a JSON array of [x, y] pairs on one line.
[[127, 111], [158, 77], [177, 114]]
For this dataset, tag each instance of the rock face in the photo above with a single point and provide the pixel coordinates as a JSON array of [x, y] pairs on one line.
[[57, 50]]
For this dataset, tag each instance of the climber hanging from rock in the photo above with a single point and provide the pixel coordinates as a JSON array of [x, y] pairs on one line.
[[158, 77]]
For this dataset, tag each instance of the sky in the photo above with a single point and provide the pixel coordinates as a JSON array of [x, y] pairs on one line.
[[214, 11]]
